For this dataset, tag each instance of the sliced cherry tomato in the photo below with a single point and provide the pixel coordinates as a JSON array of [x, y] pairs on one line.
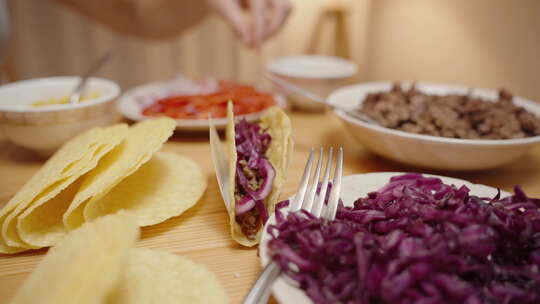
[[246, 99]]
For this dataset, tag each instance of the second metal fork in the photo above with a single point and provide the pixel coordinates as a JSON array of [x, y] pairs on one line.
[[306, 198]]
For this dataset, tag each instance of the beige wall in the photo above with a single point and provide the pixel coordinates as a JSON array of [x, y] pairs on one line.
[[52, 40], [488, 43]]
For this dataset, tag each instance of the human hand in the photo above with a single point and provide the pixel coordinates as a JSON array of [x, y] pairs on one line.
[[254, 21]]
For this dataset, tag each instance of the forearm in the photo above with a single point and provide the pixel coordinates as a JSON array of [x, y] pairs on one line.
[[149, 19]]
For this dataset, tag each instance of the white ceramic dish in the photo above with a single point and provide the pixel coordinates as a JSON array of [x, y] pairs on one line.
[[317, 74], [44, 129], [352, 187], [430, 151], [132, 102]]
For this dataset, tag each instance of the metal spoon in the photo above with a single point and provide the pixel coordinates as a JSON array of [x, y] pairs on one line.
[[309, 95], [75, 96]]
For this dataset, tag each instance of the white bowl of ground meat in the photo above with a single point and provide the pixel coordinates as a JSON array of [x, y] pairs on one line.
[[438, 126]]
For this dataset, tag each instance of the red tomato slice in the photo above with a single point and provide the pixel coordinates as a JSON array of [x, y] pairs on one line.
[[246, 99]]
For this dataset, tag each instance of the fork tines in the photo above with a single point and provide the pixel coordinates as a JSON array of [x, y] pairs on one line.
[[307, 197]]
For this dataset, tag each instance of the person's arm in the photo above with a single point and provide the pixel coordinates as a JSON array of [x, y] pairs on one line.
[[149, 19], [253, 20]]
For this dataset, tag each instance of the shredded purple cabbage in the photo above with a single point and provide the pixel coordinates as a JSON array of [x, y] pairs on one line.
[[416, 240], [252, 142]]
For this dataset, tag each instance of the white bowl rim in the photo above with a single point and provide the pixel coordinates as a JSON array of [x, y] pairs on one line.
[[446, 140], [349, 67], [114, 93]]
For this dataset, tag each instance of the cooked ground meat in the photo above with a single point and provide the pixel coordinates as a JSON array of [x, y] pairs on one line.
[[249, 222], [255, 183], [456, 116], [247, 170], [254, 178]]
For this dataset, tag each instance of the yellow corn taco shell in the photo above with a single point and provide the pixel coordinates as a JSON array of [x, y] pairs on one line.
[[142, 141], [166, 186], [159, 277], [279, 127], [85, 266], [55, 183]]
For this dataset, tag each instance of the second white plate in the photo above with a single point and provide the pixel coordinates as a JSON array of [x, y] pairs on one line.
[[352, 188]]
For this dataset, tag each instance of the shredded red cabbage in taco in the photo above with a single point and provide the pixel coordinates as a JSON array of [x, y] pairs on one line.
[[254, 177]]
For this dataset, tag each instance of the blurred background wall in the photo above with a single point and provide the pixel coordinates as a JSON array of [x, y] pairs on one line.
[[487, 43]]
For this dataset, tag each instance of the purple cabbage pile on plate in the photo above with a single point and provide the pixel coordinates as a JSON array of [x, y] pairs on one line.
[[416, 240]]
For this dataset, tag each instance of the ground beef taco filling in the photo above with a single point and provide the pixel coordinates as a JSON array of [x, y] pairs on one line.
[[453, 115], [254, 177]]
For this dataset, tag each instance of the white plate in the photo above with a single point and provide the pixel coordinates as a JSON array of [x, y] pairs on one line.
[[319, 75], [352, 187], [133, 101], [430, 151], [312, 67]]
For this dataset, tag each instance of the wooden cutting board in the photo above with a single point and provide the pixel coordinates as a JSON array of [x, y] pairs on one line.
[[202, 233]]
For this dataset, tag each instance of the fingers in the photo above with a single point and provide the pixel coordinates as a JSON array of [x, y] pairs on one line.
[[234, 15], [280, 11], [258, 10], [265, 17]]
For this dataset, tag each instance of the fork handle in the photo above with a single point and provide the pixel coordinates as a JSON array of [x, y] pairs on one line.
[[260, 292]]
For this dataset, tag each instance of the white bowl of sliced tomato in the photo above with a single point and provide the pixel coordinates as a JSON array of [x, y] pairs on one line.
[[191, 102]]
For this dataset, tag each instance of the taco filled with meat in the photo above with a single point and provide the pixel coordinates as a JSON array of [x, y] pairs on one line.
[[258, 160]]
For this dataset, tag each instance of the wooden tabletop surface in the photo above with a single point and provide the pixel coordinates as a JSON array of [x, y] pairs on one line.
[[202, 233]]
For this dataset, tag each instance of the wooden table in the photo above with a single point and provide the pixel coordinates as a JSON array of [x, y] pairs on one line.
[[202, 233]]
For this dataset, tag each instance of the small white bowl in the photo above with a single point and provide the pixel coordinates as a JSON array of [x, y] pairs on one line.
[[45, 128], [430, 151], [317, 74]]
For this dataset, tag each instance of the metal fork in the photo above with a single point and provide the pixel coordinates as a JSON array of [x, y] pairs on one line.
[[309, 95], [306, 198]]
